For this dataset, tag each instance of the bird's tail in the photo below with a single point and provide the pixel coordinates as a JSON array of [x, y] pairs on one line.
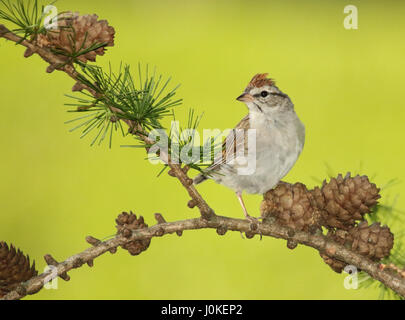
[[200, 178]]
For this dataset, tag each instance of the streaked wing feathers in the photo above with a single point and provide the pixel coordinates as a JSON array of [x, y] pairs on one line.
[[232, 144]]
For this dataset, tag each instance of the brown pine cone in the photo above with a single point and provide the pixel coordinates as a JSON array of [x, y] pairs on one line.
[[336, 265], [14, 268], [374, 242], [77, 33], [343, 201], [125, 224], [292, 206]]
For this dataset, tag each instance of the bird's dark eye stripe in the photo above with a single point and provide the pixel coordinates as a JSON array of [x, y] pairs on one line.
[[257, 95], [279, 94]]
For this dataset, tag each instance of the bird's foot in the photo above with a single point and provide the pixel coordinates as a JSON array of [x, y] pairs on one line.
[[253, 219], [254, 223]]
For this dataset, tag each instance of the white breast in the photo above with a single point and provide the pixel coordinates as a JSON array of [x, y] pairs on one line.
[[278, 145]]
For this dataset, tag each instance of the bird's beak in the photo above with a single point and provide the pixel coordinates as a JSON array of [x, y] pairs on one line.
[[245, 97]]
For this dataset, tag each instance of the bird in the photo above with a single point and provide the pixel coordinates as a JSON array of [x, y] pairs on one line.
[[279, 137]]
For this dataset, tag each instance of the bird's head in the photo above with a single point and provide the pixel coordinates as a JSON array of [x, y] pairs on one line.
[[261, 95]]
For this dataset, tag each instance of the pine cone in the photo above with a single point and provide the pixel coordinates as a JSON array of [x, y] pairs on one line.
[[335, 264], [292, 206], [343, 201], [374, 242], [125, 224], [14, 268], [77, 33]]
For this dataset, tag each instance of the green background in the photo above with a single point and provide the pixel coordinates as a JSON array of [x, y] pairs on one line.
[[347, 86]]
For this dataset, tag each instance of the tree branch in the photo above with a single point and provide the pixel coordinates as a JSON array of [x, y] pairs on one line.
[[318, 242]]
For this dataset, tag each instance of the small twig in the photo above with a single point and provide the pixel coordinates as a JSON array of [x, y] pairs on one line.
[[52, 262], [93, 241], [394, 268], [159, 218]]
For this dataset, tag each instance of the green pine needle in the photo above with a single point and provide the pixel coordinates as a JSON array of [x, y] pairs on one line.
[[145, 104], [185, 136]]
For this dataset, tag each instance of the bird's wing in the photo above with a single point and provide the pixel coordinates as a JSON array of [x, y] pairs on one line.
[[232, 143]]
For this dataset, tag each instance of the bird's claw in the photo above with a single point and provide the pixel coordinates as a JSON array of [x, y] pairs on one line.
[[254, 224], [253, 219]]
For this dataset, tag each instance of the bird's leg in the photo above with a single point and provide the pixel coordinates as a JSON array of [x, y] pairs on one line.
[[248, 217], [239, 195]]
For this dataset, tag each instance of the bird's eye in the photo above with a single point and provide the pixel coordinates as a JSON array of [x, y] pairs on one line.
[[264, 93]]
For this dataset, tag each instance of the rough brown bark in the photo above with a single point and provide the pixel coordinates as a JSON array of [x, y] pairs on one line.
[[222, 224]]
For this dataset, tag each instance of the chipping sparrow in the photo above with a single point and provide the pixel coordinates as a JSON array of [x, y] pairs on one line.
[[280, 138]]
